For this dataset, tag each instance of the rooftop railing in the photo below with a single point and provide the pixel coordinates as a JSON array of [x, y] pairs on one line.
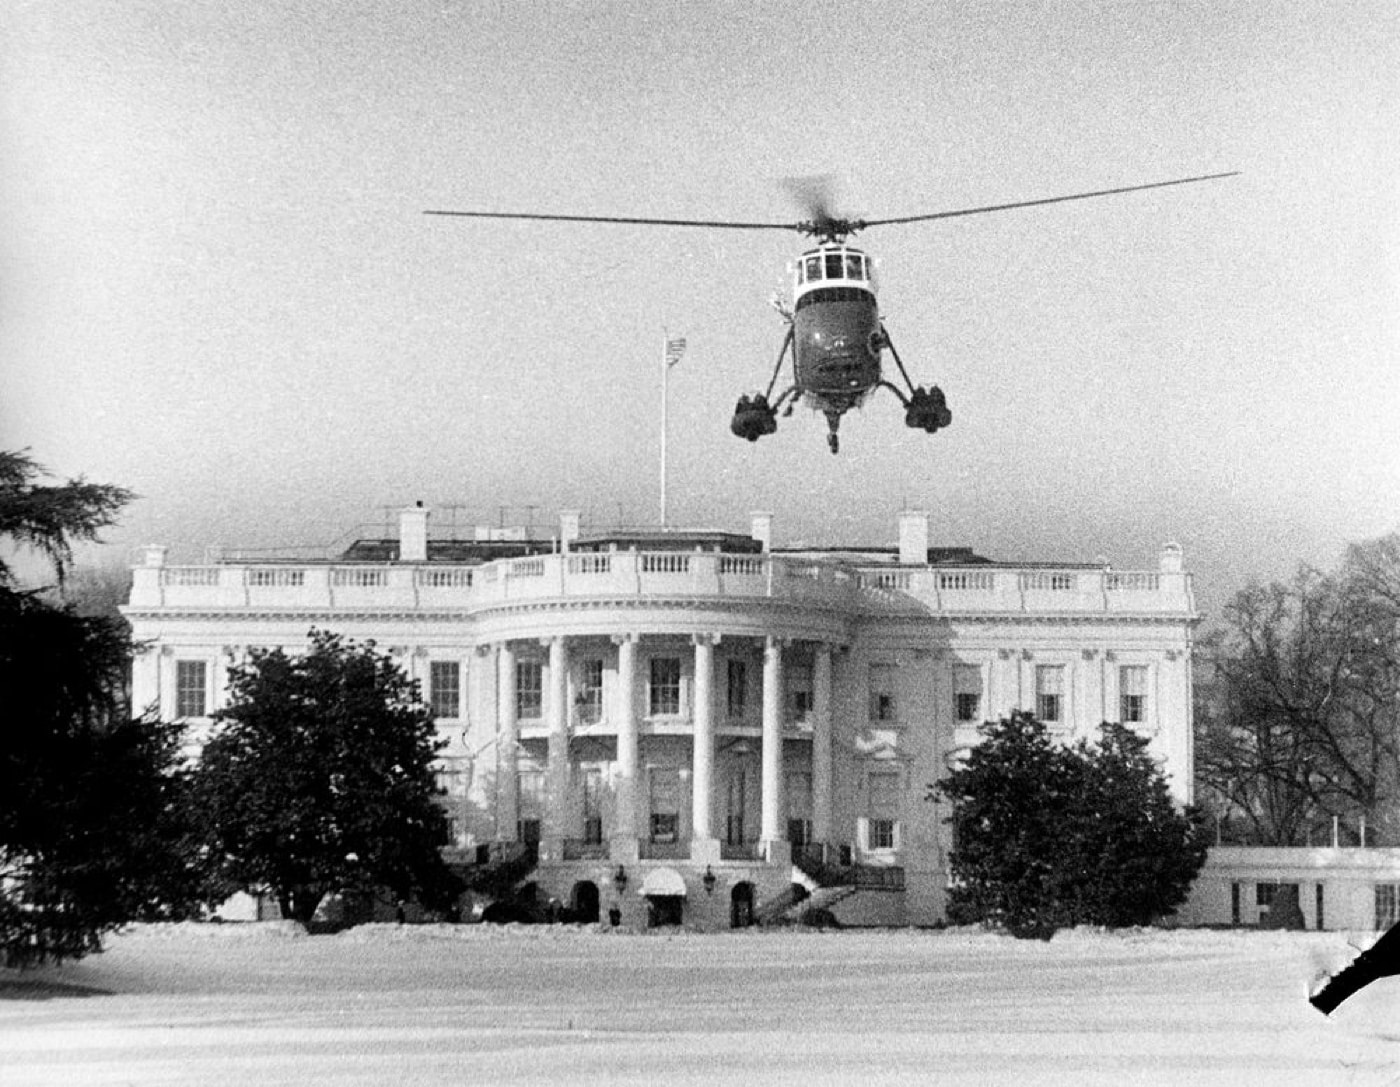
[[623, 574]]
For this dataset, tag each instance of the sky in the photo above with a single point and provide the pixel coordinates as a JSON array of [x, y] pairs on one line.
[[220, 291]]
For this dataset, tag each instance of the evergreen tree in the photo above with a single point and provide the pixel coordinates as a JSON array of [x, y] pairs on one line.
[[319, 779], [91, 831], [1048, 835]]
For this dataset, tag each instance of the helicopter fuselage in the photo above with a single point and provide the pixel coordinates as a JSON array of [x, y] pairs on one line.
[[836, 342], [836, 328]]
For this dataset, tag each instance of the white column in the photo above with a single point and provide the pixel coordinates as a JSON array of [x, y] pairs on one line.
[[703, 749], [481, 739], [508, 729], [557, 720], [628, 746], [771, 822], [821, 745], [145, 681]]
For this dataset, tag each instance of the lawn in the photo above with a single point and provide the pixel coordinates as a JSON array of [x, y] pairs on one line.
[[262, 1004]]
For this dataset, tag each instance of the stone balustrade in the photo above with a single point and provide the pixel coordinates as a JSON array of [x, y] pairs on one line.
[[623, 574]]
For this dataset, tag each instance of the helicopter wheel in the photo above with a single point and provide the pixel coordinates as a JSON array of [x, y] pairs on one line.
[[834, 442]]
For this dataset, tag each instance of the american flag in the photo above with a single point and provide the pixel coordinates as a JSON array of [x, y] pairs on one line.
[[674, 350]]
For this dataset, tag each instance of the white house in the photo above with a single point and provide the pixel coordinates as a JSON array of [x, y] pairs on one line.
[[688, 725]]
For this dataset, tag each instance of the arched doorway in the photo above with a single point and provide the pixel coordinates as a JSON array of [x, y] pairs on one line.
[[664, 890], [741, 906], [583, 902]]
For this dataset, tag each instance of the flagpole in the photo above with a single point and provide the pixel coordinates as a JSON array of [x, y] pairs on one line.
[[665, 382], [671, 352]]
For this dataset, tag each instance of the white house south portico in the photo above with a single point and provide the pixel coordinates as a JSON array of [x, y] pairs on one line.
[[759, 723]]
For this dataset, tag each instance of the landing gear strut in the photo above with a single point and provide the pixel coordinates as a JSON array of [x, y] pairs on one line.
[[924, 409], [754, 416]]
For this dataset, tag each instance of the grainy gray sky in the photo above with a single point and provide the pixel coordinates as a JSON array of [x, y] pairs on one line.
[[220, 291]]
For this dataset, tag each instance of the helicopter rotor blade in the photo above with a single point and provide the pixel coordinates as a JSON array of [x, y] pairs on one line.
[[1041, 202], [710, 223]]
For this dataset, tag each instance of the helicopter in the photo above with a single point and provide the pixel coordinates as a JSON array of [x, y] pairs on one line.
[[835, 336]]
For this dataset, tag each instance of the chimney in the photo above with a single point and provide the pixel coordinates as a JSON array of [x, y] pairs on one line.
[[763, 529], [1170, 560], [913, 538], [568, 528], [413, 534]]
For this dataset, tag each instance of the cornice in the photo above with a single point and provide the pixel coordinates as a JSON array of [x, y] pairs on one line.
[[301, 614], [764, 605], [1097, 618]]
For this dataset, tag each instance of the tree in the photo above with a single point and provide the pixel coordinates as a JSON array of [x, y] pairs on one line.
[[51, 518], [1048, 835], [91, 832], [1297, 717], [319, 779]]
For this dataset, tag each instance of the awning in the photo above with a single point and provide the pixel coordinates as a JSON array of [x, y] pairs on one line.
[[663, 881]]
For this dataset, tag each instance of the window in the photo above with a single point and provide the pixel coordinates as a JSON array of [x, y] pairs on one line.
[[967, 693], [882, 702], [665, 805], [529, 690], [664, 691], [445, 688], [1267, 895], [738, 688], [800, 691], [590, 693], [593, 805], [1132, 694], [530, 790], [1387, 904], [191, 688], [1050, 693], [880, 834], [882, 808], [734, 810], [530, 785], [797, 787], [451, 778]]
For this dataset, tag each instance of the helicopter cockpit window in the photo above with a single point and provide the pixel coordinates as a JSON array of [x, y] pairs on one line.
[[833, 266], [814, 267], [855, 266]]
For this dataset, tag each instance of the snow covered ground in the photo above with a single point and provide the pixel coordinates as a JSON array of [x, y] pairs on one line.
[[265, 1004]]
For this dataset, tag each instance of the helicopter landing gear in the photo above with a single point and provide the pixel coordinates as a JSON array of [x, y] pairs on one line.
[[753, 418], [833, 440], [927, 411], [924, 409]]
